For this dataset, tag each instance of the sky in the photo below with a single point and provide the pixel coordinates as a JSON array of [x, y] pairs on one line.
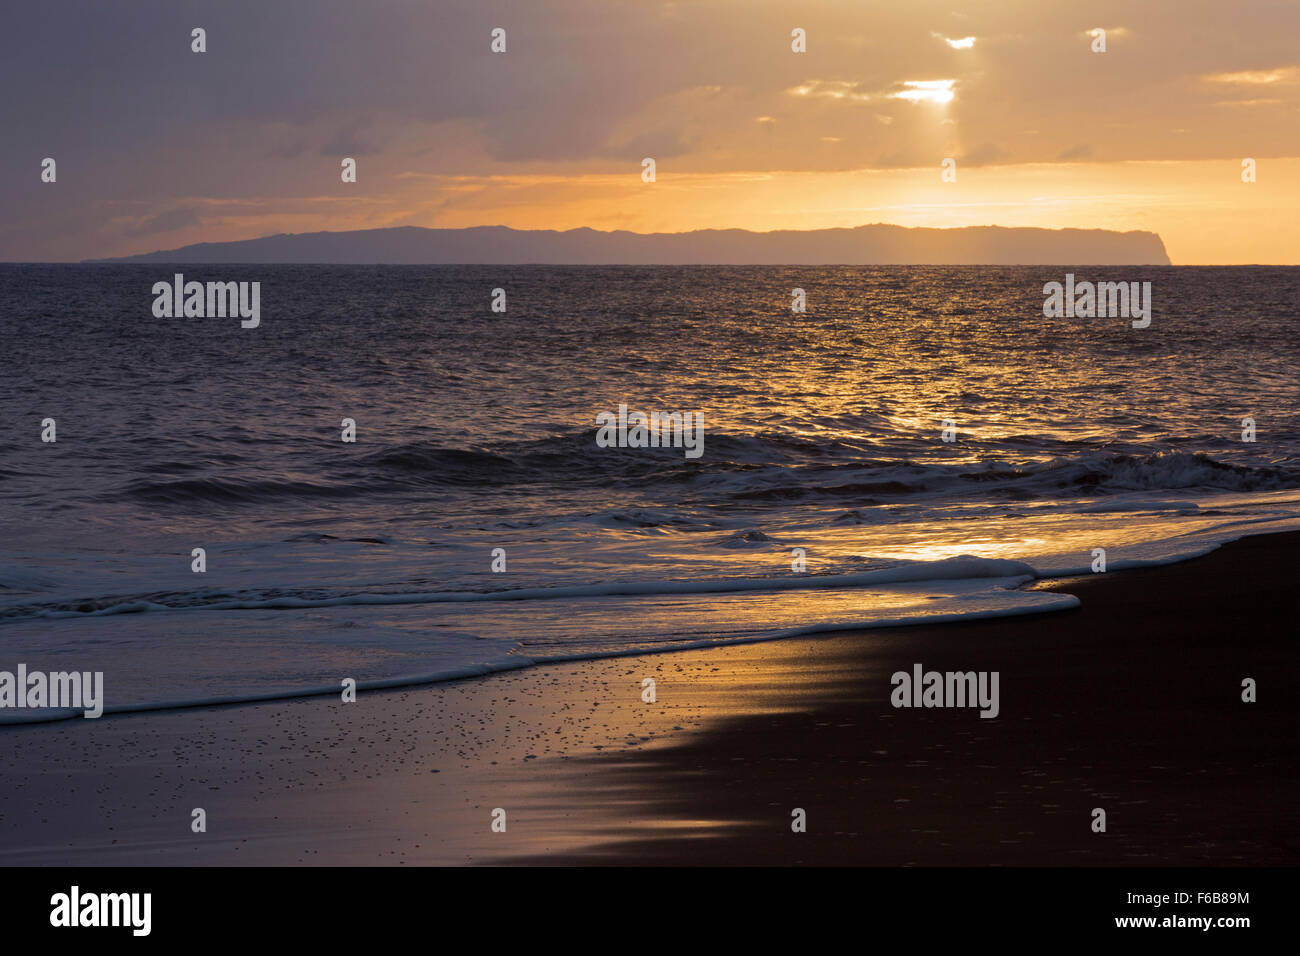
[[157, 146]]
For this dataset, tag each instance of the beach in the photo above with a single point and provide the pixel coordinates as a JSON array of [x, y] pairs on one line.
[[1131, 702], [643, 437]]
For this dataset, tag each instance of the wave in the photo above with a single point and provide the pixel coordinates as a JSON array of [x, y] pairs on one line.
[[1097, 473], [970, 578], [761, 467], [1038, 603], [230, 491], [964, 567], [1166, 470]]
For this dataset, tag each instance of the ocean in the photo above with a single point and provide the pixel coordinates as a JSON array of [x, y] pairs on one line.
[[825, 495]]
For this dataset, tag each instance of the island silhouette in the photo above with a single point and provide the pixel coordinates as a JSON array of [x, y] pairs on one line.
[[876, 244]]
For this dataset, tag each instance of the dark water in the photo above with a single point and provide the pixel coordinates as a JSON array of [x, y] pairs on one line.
[[476, 430]]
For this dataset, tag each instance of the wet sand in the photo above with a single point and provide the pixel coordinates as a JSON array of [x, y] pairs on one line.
[[1131, 703]]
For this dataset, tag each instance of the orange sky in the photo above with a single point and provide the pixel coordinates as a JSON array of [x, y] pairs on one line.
[[1201, 209], [160, 147]]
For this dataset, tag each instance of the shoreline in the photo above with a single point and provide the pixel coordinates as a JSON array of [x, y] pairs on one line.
[[1130, 701], [832, 583]]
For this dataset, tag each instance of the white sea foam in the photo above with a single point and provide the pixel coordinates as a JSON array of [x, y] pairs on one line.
[[551, 642], [290, 618], [962, 567]]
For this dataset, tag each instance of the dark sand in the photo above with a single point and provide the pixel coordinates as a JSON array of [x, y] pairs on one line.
[[1131, 703]]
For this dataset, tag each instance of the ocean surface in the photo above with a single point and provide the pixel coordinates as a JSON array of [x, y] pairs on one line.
[[476, 430]]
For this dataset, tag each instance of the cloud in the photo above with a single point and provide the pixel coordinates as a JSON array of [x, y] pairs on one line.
[[913, 91], [832, 90], [1268, 101], [1286, 74], [172, 219], [1110, 32], [926, 91], [587, 89], [983, 155], [350, 140], [962, 43]]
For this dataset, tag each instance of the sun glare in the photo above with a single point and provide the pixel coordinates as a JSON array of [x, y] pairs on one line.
[[926, 91]]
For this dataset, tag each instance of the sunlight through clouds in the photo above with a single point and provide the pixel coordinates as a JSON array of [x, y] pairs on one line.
[[926, 91]]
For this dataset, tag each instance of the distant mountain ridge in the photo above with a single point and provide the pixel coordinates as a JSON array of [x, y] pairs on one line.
[[862, 245]]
